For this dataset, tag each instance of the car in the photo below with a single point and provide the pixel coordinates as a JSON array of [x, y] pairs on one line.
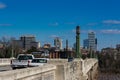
[[22, 61], [70, 59], [38, 62]]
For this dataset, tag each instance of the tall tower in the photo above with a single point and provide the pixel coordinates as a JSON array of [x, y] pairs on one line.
[[78, 55], [92, 41], [58, 43], [66, 44]]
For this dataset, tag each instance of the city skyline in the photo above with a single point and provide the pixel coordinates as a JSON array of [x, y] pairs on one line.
[[49, 19]]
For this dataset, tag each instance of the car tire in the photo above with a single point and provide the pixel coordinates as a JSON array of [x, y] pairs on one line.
[[14, 68]]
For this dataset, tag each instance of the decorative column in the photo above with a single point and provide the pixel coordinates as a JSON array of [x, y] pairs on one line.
[[78, 54]]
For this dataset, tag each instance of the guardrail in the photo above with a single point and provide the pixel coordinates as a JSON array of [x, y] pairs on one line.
[[87, 65], [60, 69], [46, 72], [5, 61]]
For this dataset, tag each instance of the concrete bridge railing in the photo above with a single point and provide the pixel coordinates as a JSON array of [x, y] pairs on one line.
[[87, 64], [5, 61], [77, 70], [56, 69], [47, 72], [90, 68]]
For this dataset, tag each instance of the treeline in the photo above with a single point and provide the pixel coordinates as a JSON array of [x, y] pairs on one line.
[[6, 48], [109, 63]]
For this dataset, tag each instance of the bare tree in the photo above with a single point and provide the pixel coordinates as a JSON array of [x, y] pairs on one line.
[[5, 52]]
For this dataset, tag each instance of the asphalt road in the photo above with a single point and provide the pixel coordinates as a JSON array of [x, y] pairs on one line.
[[5, 68]]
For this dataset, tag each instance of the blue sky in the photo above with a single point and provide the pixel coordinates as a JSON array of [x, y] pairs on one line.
[[49, 18]]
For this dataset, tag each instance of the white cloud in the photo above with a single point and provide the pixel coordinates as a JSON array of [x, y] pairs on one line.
[[54, 24], [3, 25], [111, 31], [111, 22], [2, 5], [84, 31], [53, 36], [107, 31]]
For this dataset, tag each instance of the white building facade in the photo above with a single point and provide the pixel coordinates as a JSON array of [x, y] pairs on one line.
[[92, 41]]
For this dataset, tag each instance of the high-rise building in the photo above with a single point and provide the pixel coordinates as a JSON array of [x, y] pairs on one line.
[[58, 43], [118, 47], [92, 41], [27, 39], [26, 42], [17, 43], [86, 44]]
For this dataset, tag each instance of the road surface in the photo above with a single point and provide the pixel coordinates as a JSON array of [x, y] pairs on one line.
[[5, 68]]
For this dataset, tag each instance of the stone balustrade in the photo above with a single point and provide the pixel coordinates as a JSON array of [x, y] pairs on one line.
[[46, 72], [56, 69], [5, 61]]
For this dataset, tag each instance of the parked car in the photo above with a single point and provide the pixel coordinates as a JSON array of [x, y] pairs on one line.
[[23, 60], [38, 62], [70, 59]]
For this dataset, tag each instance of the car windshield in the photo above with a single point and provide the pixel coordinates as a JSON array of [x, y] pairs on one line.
[[39, 60], [29, 57], [24, 57]]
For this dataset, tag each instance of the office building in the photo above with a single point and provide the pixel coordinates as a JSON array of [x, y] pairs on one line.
[[92, 41], [86, 44], [58, 43], [27, 39], [35, 44], [17, 43]]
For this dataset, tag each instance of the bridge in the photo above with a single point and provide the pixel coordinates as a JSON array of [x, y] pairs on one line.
[[56, 69]]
